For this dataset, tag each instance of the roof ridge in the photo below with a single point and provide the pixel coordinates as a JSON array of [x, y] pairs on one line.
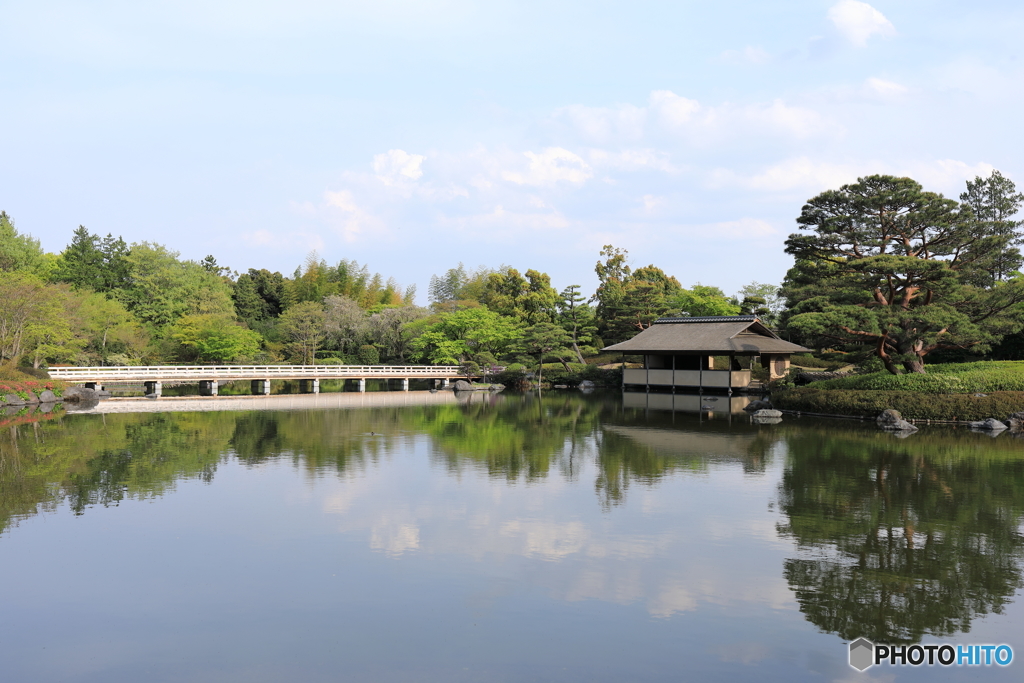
[[709, 319]]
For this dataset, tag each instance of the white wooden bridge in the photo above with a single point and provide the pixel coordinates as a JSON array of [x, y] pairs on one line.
[[210, 376]]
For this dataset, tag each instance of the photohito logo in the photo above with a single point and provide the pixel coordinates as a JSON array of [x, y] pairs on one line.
[[864, 653]]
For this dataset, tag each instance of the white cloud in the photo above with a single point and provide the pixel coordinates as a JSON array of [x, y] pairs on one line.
[[858, 21], [632, 160], [603, 123], [673, 109], [883, 89], [686, 115], [751, 54], [549, 167], [946, 175], [810, 176], [797, 173], [396, 165], [349, 219], [797, 121]]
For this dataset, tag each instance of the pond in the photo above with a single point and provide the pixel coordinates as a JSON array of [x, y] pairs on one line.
[[425, 537]]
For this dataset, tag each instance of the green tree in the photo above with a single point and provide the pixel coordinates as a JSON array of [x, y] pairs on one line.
[[462, 335], [530, 299], [995, 202], [897, 269], [703, 300], [215, 339], [108, 330], [303, 325], [346, 323], [577, 318], [390, 331], [162, 288], [34, 318], [629, 301], [258, 295], [543, 339], [92, 262], [445, 288], [762, 300], [18, 251]]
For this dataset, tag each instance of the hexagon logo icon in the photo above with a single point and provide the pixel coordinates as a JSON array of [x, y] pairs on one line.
[[862, 654]]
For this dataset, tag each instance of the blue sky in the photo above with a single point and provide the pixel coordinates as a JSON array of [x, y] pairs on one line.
[[414, 135]]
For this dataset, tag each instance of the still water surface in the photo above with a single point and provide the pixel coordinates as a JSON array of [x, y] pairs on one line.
[[507, 538]]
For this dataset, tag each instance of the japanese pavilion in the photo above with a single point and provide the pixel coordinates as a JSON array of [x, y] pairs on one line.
[[681, 352]]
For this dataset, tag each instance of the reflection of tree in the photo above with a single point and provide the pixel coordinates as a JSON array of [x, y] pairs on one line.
[[902, 538], [646, 448], [94, 460], [516, 436]]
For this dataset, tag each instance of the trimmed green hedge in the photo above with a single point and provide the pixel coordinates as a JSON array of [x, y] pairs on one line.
[[514, 375], [950, 378], [912, 405], [806, 360]]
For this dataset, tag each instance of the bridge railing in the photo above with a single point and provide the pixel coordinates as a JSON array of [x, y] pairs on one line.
[[156, 372]]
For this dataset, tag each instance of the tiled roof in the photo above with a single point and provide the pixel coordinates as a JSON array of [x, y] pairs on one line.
[[725, 334]]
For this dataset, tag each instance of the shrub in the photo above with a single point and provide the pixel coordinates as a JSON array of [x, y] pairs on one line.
[[955, 378], [368, 355], [806, 360], [911, 404]]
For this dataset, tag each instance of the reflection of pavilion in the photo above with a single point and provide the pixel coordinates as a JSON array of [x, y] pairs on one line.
[[725, 445], [680, 352], [685, 403]]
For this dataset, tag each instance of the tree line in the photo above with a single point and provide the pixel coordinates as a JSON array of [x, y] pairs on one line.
[[102, 301], [884, 272]]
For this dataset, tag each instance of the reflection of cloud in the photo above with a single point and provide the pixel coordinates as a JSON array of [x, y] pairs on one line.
[[858, 21], [672, 598], [865, 677], [548, 540], [743, 653], [394, 539]]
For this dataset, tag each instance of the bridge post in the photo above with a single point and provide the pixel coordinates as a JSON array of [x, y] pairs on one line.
[[261, 386], [309, 386], [405, 384], [94, 385], [362, 383], [208, 387], [154, 388], [444, 382]]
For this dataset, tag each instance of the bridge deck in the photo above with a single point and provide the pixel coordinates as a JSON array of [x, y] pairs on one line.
[[252, 372]]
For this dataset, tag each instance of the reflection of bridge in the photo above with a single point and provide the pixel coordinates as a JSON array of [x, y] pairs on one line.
[[209, 376]]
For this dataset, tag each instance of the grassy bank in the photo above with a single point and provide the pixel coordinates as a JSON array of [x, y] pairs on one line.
[[911, 404], [953, 391]]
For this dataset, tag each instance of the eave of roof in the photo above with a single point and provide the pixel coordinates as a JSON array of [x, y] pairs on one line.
[[726, 335]]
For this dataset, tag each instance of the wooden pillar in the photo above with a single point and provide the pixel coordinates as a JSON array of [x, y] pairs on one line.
[[405, 384], [260, 386], [154, 388], [94, 385], [309, 386], [362, 383], [208, 387]]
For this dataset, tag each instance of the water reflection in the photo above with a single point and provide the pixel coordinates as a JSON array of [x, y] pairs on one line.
[[877, 537], [902, 538]]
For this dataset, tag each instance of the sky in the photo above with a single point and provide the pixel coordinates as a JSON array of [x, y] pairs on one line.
[[412, 136]]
